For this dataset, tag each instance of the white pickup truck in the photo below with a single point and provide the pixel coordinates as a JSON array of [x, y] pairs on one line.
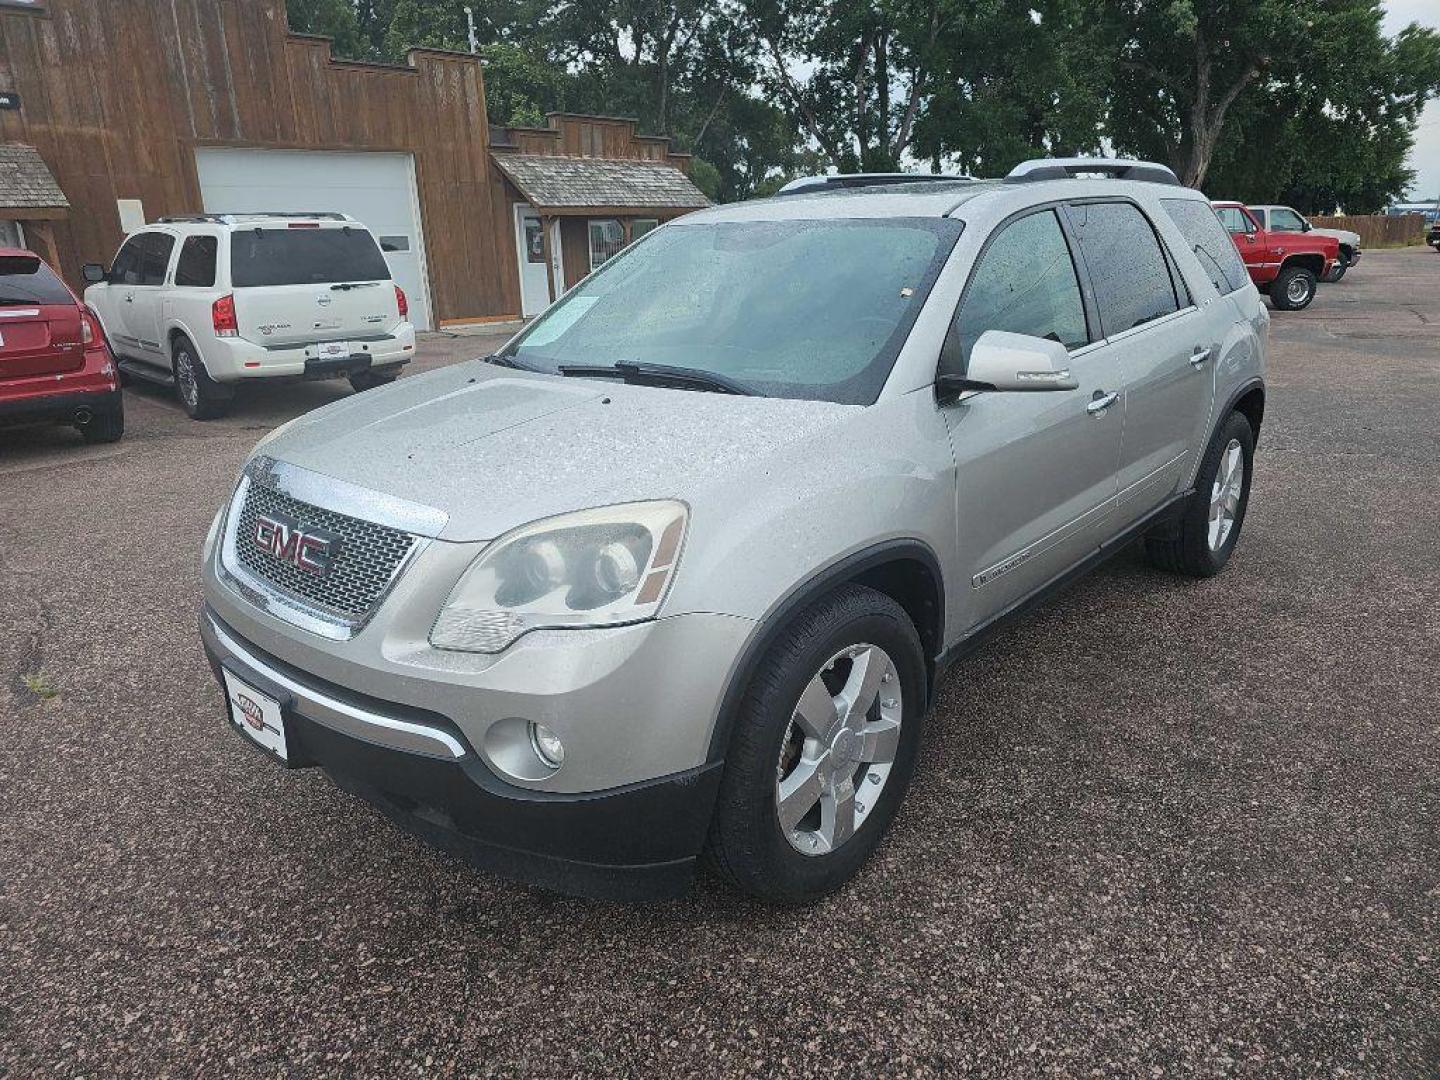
[[207, 302]]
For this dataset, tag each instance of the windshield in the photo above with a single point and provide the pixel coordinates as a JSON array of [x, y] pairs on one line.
[[798, 309], [304, 256]]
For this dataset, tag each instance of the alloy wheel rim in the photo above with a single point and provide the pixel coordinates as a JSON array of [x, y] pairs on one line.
[[1297, 290], [1225, 494], [185, 375], [839, 749]]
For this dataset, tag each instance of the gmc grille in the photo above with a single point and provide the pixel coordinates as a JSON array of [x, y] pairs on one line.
[[370, 555]]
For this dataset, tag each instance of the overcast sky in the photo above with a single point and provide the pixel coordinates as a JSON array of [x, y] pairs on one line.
[[1425, 158]]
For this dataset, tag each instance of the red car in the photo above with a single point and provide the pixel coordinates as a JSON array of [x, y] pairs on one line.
[[55, 365], [1287, 265]]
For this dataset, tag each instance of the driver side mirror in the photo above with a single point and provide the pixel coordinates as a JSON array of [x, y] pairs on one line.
[[1004, 361], [1305, 226], [93, 273]]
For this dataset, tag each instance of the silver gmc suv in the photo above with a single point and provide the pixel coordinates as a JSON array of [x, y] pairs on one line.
[[675, 573]]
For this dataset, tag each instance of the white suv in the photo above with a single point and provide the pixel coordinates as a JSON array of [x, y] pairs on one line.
[[202, 303]]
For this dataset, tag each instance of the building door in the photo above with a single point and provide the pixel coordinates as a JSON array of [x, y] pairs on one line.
[[376, 189], [529, 247]]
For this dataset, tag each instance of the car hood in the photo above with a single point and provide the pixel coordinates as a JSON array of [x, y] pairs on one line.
[[1345, 236], [494, 449]]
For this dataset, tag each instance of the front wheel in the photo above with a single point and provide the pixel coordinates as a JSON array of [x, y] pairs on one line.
[[1293, 288], [824, 749], [1199, 543]]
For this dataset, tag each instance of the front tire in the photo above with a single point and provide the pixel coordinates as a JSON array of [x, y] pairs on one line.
[[1200, 542], [202, 397], [823, 750], [1293, 288]]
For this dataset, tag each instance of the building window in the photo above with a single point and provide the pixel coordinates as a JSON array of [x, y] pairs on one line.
[[534, 242], [607, 237], [640, 226]]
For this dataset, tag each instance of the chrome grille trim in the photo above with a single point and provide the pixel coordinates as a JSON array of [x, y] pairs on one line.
[[339, 605]]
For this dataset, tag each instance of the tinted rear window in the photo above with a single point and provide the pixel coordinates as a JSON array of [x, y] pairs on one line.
[[27, 280], [1130, 272], [304, 257], [1209, 240]]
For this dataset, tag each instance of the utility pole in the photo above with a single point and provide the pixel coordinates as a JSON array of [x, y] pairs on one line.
[[470, 21]]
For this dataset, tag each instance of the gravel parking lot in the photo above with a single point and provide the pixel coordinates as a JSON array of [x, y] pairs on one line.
[[1161, 827]]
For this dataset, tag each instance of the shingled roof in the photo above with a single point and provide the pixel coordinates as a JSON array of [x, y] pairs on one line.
[[571, 183], [26, 182]]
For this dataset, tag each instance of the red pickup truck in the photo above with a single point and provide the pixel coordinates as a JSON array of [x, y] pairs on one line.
[[1287, 265]]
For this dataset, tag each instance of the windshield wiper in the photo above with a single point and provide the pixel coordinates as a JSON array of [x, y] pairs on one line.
[[13, 301], [502, 360], [658, 375]]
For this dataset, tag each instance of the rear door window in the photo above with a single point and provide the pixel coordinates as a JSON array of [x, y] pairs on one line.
[[291, 256], [1127, 266], [24, 279], [1025, 284], [1202, 230], [195, 268]]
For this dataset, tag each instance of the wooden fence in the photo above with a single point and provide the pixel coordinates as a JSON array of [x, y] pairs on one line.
[[1378, 230]]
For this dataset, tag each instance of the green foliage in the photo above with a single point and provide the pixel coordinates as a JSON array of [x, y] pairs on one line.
[[335, 19], [1300, 100]]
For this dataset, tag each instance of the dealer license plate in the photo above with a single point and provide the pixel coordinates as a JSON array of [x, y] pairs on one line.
[[257, 715]]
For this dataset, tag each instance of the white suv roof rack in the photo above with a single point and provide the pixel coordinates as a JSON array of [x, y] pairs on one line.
[[1065, 168], [246, 217]]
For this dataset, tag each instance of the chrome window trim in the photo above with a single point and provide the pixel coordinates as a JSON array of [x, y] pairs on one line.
[[1161, 321]]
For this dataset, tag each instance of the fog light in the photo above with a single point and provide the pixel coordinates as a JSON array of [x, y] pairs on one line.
[[547, 745]]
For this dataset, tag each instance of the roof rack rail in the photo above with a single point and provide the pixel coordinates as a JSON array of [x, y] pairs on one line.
[[811, 185], [1028, 172], [231, 217]]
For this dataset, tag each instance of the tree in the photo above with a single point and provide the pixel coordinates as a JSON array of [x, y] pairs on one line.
[[335, 19], [1339, 140]]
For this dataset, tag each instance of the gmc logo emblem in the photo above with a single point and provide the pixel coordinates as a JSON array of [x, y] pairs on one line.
[[311, 550]]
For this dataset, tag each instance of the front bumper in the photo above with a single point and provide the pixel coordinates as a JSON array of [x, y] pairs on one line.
[[640, 841]]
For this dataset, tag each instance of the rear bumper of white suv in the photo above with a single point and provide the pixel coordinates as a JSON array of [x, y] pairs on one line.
[[234, 359]]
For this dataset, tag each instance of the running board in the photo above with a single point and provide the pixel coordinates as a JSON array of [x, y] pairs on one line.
[[148, 372]]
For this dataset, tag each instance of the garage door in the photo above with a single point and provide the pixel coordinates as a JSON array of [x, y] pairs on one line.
[[377, 189]]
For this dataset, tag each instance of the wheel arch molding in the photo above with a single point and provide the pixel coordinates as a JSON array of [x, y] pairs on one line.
[[907, 570]]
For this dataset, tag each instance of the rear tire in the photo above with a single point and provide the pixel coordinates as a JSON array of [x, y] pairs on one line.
[[1293, 288], [1196, 544], [855, 642], [202, 397], [369, 380], [106, 425]]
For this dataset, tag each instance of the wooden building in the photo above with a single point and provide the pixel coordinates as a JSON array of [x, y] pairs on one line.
[[146, 108]]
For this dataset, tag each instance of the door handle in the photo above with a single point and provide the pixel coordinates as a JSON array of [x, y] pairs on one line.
[[1100, 402], [1199, 356]]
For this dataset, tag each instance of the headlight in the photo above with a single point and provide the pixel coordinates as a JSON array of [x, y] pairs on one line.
[[604, 567]]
